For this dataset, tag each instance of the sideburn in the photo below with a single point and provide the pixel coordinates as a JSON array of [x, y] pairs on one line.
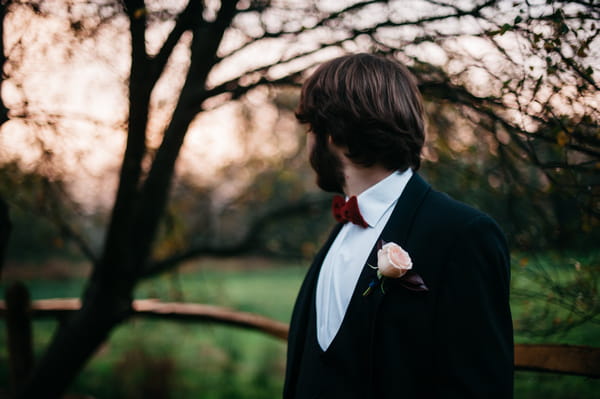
[[327, 166]]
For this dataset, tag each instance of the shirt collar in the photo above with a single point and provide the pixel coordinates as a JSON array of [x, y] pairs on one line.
[[377, 199]]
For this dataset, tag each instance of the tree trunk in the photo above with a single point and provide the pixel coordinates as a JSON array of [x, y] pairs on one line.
[[75, 342]]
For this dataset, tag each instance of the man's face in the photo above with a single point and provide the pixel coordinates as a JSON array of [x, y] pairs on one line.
[[326, 164]]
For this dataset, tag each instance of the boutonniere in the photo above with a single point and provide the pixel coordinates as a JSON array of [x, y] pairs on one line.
[[394, 262]]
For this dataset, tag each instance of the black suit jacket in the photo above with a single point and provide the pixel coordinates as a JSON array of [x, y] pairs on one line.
[[453, 341]]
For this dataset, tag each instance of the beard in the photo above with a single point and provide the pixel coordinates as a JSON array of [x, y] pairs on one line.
[[328, 167]]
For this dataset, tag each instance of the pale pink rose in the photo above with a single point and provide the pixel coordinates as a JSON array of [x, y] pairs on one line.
[[393, 261]]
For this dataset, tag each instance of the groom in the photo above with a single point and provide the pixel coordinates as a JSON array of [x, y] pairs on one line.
[[437, 324]]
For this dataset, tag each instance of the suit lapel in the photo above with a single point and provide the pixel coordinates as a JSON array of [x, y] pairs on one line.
[[398, 227], [304, 305]]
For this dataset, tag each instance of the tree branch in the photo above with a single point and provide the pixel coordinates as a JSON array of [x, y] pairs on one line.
[[353, 33], [154, 192], [574, 66], [318, 24], [3, 109], [246, 243], [237, 90], [185, 21]]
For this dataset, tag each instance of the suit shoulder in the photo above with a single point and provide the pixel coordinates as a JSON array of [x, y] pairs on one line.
[[439, 202], [441, 210], [463, 234]]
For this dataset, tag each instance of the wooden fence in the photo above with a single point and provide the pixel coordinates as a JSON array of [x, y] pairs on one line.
[[564, 359]]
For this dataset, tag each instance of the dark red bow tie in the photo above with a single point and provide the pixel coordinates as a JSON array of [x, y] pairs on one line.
[[347, 211]]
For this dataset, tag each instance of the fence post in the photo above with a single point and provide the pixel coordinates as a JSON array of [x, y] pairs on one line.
[[18, 323]]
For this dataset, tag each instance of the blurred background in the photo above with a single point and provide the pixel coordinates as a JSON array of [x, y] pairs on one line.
[[149, 150]]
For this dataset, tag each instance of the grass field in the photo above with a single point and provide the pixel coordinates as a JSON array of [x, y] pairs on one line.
[[160, 359]]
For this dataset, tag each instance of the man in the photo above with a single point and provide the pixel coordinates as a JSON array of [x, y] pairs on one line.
[[440, 327]]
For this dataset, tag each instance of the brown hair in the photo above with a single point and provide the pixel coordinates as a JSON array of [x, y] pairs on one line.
[[368, 104]]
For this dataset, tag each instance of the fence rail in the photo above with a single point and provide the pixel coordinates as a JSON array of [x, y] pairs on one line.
[[564, 359]]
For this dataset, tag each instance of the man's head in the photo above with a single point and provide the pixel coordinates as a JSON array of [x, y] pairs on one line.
[[369, 106]]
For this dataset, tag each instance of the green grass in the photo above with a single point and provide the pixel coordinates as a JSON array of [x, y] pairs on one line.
[[162, 359]]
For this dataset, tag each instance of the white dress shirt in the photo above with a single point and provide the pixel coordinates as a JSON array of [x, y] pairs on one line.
[[349, 252]]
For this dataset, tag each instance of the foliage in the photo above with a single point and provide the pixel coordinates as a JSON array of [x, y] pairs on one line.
[[37, 215], [556, 293], [532, 219]]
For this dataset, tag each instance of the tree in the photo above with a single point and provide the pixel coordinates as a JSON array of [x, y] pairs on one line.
[[3, 109], [522, 73], [4, 230]]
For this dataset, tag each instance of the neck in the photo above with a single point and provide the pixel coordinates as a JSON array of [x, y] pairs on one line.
[[360, 178]]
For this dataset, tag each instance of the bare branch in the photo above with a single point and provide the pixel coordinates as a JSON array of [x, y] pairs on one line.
[[185, 21], [237, 90], [56, 198], [353, 33], [68, 231], [154, 192], [247, 242], [322, 22], [573, 64], [3, 109]]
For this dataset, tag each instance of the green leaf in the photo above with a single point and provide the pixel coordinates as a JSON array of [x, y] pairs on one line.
[[505, 28]]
